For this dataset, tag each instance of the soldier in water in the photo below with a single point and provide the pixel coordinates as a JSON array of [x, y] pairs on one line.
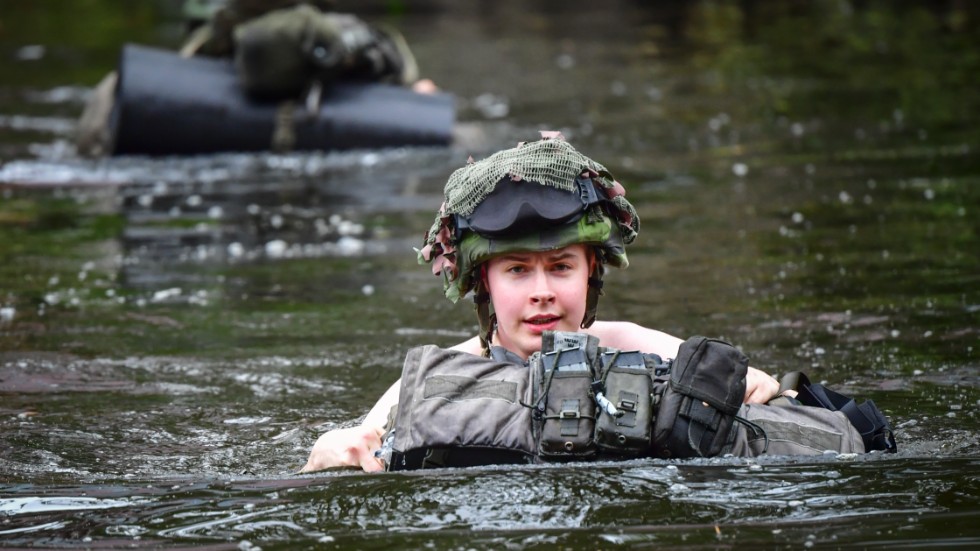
[[529, 231]]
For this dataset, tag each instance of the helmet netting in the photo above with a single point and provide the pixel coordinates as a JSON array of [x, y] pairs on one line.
[[550, 162]]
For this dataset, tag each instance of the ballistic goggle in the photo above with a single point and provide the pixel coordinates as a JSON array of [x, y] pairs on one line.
[[518, 207]]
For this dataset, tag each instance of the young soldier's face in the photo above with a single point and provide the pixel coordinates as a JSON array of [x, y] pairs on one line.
[[537, 292]]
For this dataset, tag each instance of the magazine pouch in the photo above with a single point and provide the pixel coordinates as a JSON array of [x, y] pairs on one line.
[[566, 409], [698, 407], [626, 383]]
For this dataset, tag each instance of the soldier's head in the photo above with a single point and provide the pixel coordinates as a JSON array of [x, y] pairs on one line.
[[529, 231]]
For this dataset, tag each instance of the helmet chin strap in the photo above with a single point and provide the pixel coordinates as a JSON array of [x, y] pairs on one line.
[[488, 319], [592, 295]]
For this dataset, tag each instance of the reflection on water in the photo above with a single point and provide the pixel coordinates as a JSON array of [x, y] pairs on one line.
[[175, 333], [345, 205]]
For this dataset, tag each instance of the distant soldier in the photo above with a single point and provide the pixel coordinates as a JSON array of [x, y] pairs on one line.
[[283, 51]]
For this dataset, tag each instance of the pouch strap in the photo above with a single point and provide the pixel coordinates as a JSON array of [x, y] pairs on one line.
[[627, 404], [569, 415], [436, 458]]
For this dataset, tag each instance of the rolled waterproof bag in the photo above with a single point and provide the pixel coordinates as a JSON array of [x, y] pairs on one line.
[[166, 104]]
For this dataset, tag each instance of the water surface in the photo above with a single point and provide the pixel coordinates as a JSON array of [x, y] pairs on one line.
[[176, 332]]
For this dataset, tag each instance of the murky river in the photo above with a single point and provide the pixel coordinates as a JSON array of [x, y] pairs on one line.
[[176, 332]]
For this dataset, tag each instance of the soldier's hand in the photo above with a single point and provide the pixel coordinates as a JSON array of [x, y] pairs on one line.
[[351, 447], [760, 387]]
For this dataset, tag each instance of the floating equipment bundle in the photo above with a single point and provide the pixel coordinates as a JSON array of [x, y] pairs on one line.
[[166, 104]]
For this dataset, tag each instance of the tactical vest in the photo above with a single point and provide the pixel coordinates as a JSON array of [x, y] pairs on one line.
[[577, 401]]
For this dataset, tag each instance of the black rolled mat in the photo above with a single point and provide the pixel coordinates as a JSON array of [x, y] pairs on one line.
[[169, 105]]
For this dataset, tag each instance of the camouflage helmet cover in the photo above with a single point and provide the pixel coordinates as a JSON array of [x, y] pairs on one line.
[[455, 253]]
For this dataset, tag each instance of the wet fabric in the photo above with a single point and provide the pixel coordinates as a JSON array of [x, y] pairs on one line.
[[870, 422], [579, 401], [451, 399], [214, 37], [793, 430]]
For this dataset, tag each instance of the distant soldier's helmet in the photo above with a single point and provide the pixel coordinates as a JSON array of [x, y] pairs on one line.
[[542, 195]]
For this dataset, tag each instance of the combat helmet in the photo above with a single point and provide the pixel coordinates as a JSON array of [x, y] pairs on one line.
[[541, 195]]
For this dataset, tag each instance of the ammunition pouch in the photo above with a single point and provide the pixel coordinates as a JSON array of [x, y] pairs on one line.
[[564, 408], [628, 379]]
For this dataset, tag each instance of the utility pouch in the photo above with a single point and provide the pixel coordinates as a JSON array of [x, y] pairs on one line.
[[567, 410], [626, 383], [706, 389]]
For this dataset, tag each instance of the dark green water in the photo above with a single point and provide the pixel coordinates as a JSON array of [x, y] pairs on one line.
[[175, 333]]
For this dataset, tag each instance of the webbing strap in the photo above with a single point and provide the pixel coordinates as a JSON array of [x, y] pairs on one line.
[[436, 458], [570, 414], [627, 404], [592, 295]]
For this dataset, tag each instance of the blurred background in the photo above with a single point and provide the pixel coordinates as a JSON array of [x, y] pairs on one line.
[[176, 331]]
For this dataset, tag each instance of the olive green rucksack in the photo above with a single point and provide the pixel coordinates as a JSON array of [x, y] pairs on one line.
[[211, 23], [280, 54], [281, 47]]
